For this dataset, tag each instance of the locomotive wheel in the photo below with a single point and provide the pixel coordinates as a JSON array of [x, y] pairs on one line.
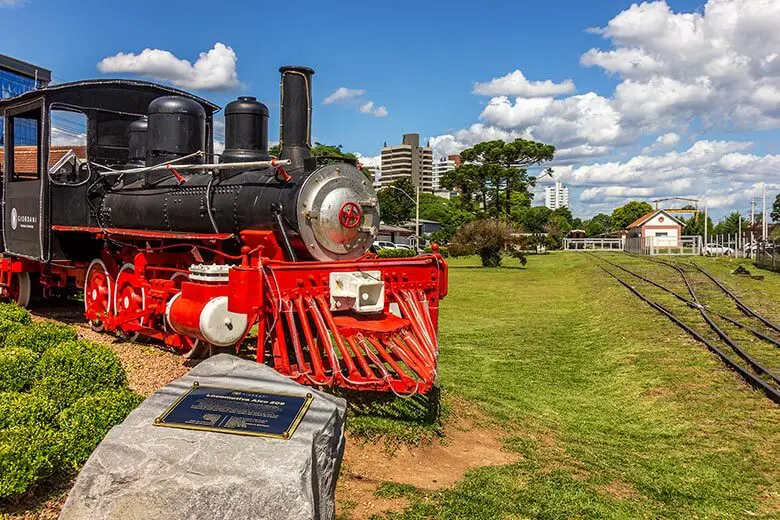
[[97, 294], [128, 299], [20, 289], [198, 350]]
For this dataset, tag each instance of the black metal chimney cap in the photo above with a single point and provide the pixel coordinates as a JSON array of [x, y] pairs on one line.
[[296, 68]]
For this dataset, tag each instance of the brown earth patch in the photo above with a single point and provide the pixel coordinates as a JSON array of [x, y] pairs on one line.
[[620, 490], [467, 443]]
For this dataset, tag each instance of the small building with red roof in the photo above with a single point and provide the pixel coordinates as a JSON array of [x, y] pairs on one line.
[[657, 228]]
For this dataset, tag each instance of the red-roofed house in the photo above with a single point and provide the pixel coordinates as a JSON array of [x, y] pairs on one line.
[[657, 228], [64, 161]]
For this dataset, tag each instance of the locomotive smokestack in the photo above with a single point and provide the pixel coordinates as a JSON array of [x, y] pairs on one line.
[[295, 117]]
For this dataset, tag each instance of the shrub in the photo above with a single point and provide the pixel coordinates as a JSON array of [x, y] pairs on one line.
[[7, 327], [27, 454], [74, 369], [87, 421], [443, 251], [490, 239], [17, 368], [396, 253], [25, 409], [40, 336], [13, 312]]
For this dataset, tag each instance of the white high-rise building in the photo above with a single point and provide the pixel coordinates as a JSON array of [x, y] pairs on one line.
[[556, 196], [442, 166]]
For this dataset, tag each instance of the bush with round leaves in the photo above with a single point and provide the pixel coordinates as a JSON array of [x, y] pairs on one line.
[[40, 336], [17, 368], [27, 455], [26, 409], [13, 312], [87, 421], [73, 369], [7, 327], [400, 252]]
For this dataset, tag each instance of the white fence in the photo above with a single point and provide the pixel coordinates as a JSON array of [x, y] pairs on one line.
[[685, 245], [593, 244], [738, 246]]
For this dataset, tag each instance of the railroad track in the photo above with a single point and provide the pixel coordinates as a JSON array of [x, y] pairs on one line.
[[757, 375]]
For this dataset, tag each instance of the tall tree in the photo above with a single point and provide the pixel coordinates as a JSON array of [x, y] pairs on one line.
[[395, 207], [533, 219], [599, 224], [731, 224], [625, 215], [334, 151], [776, 210], [695, 226], [493, 170]]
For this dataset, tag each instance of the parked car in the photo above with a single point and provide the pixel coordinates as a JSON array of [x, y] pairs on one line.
[[383, 244], [750, 247], [404, 246], [713, 249]]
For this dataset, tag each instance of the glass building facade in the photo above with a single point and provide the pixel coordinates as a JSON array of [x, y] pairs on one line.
[[16, 78]]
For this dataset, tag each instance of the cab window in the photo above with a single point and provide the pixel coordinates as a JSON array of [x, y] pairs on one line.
[[68, 147], [23, 145]]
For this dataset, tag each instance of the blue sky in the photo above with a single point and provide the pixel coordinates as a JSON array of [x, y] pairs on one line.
[[421, 62]]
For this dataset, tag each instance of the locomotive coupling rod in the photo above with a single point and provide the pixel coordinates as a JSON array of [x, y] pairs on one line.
[[216, 166]]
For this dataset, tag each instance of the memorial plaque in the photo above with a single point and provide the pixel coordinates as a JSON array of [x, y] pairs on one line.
[[240, 412]]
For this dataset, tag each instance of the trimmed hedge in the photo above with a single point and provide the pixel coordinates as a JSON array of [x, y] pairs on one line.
[[17, 368], [74, 369], [13, 312], [27, 454], [40, 336], [88, 420], [26, 409], [443, 251], [396, 253], [59, 396]]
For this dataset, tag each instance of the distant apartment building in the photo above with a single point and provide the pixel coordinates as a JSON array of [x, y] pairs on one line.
[[442, 166], [556, 196], [408, 160], [16, 78]]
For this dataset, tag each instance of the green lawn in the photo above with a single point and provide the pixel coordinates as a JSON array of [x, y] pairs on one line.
[[616, 413]]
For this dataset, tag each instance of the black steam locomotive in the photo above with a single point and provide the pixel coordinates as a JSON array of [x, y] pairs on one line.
[[170, 241]]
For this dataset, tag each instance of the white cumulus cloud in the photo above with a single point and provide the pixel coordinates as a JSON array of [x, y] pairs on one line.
[[343, 94], [666, 140], [214, 69], [516, 84], [355, 97]]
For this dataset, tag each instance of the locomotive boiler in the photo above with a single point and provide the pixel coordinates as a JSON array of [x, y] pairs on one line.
[[166, 240]]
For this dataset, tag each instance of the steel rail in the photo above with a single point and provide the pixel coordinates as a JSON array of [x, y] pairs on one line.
[[750, 378], [740, 304], [694, 304], [758, 367]]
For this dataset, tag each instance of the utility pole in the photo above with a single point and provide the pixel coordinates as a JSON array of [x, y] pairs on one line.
[[706, 219], [752, 218], [764, 223], [739, 237], [417, 216]]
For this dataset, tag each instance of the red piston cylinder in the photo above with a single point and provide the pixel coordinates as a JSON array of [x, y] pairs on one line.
[[183, 316], [201, 311]]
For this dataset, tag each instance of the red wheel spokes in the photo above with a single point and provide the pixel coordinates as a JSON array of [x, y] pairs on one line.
[[129, 298], [97, 292]]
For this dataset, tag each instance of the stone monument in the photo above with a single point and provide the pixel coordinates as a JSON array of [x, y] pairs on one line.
[[143, 470]]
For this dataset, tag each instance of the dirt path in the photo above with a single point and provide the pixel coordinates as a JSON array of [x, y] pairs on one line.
[[468, 442]]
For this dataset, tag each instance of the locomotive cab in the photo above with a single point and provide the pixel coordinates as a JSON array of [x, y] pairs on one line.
[[49, 177]]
